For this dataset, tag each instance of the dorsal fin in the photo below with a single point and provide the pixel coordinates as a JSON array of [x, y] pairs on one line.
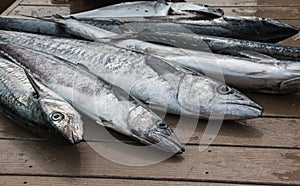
[[36, 88], [160, 66]]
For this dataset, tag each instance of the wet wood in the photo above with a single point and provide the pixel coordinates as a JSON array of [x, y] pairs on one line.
[[237, 165], [67, 181]]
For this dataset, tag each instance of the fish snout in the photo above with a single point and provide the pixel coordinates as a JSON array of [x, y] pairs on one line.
[[161, 137], [72, 131]]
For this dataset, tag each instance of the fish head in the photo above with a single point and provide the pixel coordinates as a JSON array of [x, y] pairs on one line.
[[211, 99], [150, 129], [63, 118]]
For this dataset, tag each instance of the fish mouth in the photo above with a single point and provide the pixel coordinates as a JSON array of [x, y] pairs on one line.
[[168, 144], [73, 138], [175, 145], [238, 111], [290, 86]]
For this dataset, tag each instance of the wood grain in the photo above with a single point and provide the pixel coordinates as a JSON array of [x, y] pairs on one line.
[[262, 132], [67, 181], [40, 10], [237, 165]]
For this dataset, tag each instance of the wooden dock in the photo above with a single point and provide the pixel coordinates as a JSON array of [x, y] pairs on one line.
[[263, 151]]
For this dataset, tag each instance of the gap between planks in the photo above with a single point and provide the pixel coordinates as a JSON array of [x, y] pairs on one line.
[[16, 179], [67, 181], [216, 164]]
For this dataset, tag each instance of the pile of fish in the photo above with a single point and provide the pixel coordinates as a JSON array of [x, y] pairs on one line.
[[120, 64]]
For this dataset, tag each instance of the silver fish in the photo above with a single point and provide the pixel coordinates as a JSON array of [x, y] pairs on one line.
[[248, 28], [151, 8], [148, 78], [218, 44], [36, 107], [97, 99], [263, 74], [256, 29]]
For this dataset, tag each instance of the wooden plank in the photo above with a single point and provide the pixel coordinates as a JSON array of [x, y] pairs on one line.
[[278, 105], [257, 3], [293, 41], [218, 164], [41, 3], [67, 181], [263, 132], [266, 12], [40, 10], [11, 8]]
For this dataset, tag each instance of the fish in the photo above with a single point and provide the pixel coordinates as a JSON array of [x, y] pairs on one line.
[[108, 105], [263, 73], [37, 108], [255, 29], [218, 45], [247, 28], [32, 25], [150, 79], [152, 8]]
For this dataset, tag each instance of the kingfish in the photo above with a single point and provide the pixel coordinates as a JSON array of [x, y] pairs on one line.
[[97, 99], [263, 73], [148, 78], [37, 108], [256, 29], [151, 8], [217, 44], [248, 28]]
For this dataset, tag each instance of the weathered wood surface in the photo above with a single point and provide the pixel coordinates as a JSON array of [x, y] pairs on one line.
[[262, 132], [67, 181], [229, 164], [259, 151]]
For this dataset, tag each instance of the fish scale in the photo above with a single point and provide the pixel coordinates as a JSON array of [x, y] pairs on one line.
[[148, 78], [14, 97], [97, 99], [34, 106]]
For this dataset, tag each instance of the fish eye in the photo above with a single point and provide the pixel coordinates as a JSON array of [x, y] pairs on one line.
[[56, 116], [224, 89], [162, 125]]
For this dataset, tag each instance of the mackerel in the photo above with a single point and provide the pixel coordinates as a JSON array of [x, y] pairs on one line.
[[248, 28], [97, 99], [217, 44], [37, 108], [263, 73], [256, 29], [148, 78], [152, 8]]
